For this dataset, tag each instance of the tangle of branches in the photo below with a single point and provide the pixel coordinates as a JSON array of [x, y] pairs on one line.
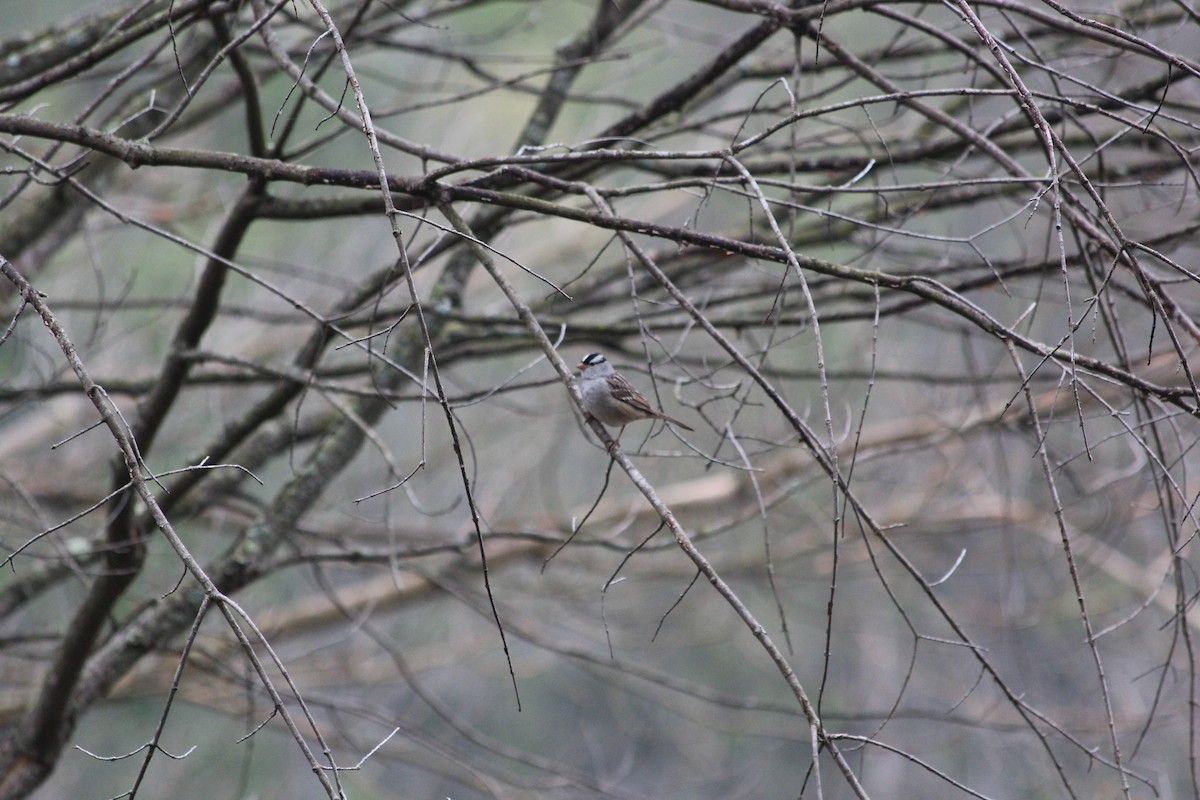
[[296, 492]]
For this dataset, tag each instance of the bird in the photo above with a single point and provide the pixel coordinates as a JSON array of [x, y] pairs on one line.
[[610, 398]]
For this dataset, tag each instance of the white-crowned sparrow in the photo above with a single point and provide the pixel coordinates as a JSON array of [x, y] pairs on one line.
[[610, 398]]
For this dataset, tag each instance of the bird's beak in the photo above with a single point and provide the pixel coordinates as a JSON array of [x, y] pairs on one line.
[[579, 367]]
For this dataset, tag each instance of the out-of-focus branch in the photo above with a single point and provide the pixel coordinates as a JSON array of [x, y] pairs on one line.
[[27, 755]]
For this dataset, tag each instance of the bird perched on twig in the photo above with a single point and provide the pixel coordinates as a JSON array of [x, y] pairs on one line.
[[610, 398]]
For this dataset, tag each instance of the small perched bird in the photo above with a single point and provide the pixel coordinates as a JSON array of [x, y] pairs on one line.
[[610, 398]]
